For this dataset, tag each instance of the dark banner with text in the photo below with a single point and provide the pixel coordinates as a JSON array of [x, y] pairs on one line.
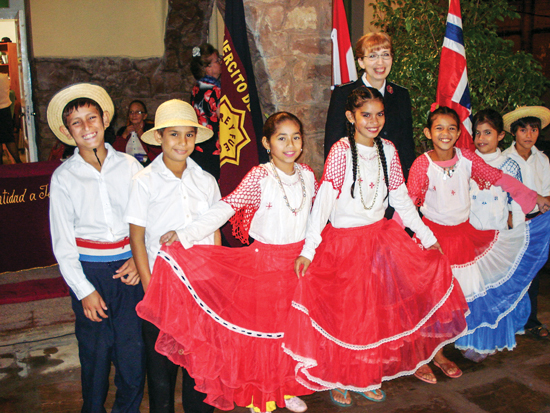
[[240, 115]]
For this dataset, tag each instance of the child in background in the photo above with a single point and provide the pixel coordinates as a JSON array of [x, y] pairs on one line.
[[206, 67], [493, 268], [232, 304], [525, 124], [372, 306], [169, 193], [490, 208], [89, 193]]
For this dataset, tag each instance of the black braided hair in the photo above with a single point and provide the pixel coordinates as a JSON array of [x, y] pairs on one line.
[[355, 100], [382, 155], [351, 136]]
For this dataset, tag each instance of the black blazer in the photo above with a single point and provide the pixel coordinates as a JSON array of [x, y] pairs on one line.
[[398, 127]]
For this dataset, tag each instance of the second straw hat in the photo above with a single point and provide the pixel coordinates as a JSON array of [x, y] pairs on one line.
[[176, 112], [527, 111]]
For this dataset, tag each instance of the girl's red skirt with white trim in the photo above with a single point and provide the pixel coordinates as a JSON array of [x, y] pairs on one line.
[[494, 269], [373, 306], [222, 314]]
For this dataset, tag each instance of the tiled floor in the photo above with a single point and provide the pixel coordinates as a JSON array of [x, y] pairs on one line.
[[39, 369]]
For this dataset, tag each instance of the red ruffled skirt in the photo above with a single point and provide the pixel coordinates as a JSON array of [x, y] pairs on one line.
[[373, 306], [462, 243], [222, 314]]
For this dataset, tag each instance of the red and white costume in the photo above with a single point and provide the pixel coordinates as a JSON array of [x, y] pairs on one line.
[[493, 268], [373, 306], [222, 311]]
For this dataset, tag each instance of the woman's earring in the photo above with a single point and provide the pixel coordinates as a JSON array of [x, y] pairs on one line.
[[301, 149], [269, 151]]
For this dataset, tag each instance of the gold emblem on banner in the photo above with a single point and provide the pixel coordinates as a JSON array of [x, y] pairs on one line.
[[233, 136]]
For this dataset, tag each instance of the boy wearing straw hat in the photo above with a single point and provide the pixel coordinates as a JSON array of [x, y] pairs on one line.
[[88, 195], [525, 124], [169, 193]]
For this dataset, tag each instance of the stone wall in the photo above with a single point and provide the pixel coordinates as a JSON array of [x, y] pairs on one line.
[[290, 42], [290, 45], [151, 80]]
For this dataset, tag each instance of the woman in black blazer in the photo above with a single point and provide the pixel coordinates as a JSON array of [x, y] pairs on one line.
[[375, 55]]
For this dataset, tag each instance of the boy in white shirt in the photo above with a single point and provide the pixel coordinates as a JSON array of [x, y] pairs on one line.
[[88, 196], [170, 193], [525, 124]]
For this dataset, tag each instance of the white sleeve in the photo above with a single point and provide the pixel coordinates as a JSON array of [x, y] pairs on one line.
[[518, 216], [215, 194], [320, 213], [62, 218], [400, 200], [545, 176], [206, 224], [138, 203]]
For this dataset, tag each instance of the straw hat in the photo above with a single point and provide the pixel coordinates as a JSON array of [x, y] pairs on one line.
[[70, 93], [176, 112], [527, 111]]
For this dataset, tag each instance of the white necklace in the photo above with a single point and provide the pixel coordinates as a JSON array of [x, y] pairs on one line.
[[278, 179], [377, 183]]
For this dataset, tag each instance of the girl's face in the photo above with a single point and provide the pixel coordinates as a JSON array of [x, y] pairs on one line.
[[285, 145], [369, 120], [136, 114], [486, 138], [377, 66], [444, 133], [214, 67]]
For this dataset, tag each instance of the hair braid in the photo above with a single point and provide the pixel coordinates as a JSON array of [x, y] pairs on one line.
[[382, 155], [353, 147]]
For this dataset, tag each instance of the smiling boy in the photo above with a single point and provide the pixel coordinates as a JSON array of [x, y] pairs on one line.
[[89, 193], [169, 193]]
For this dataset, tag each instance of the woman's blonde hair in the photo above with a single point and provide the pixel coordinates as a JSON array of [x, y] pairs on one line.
[[372, 42]]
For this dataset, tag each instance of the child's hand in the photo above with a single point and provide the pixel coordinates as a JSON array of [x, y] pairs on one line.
[[436, 246], [301, 265], [94, 307], [169, 238], [128, 273], [543, 203]]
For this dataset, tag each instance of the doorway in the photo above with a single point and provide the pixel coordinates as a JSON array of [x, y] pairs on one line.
[[16, 63]]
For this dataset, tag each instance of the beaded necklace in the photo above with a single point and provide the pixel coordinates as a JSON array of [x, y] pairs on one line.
[[278, 179], [448, 171], [377, 183]]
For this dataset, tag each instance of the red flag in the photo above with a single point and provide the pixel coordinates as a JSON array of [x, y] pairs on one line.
[[452, 86], [343, 63]]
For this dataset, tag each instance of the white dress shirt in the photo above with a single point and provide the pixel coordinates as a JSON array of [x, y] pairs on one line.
[[161, 202], [382, 90], [535, 171], [87, 203]]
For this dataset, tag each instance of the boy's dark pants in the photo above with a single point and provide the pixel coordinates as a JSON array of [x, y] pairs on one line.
[[161, 380], [533, 321], [116, 339]]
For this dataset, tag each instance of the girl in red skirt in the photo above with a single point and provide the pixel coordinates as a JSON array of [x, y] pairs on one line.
[[222, 311], [494, 268], [372, 305]]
